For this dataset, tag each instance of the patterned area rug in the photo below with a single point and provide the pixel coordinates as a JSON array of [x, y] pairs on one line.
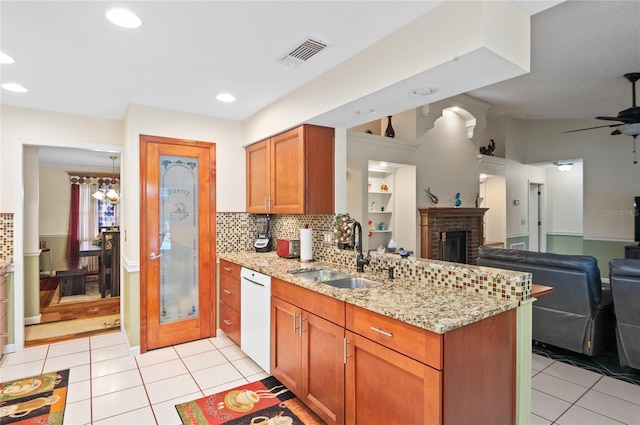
[[38, 399], [265, 402]]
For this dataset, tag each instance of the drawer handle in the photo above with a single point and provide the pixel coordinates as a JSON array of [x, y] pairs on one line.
[[4, 335], [227, 322], [389, 334], [4, 300], [227, 269], [226, 291]]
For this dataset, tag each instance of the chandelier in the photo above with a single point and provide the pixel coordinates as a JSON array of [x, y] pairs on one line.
[[109, 194]]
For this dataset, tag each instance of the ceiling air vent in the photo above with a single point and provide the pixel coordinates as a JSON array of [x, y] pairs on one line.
[[303, 52]]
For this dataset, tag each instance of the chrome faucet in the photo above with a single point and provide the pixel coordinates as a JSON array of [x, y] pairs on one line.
[[361, 261]]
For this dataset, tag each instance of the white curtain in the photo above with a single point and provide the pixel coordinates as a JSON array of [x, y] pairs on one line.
[[88, 222]]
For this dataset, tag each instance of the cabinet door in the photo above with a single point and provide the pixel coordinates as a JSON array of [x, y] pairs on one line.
[[230, 291], [323, 367], [230, 322], [386, 387], [288, 172], [258, 177], [286, 344]]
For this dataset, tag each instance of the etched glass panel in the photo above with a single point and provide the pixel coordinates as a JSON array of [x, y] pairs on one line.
[[178, 238]]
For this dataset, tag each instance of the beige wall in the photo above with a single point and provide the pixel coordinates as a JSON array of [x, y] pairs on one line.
[[43, 127]]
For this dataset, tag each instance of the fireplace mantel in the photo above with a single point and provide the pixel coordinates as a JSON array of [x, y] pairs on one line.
[[435, 220]]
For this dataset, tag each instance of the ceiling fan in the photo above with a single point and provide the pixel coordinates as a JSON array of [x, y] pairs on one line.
[[628, 119]]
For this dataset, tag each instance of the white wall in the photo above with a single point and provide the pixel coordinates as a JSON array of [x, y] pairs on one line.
[[55, 198], [611, 179], [447, 161], [230, 161], [518, 178], [20, 124], [564, 200]]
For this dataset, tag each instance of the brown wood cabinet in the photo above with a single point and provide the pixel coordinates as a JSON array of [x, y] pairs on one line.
[[4, 299], [292, 172], [230, 300], [307, 351], [397, 373]]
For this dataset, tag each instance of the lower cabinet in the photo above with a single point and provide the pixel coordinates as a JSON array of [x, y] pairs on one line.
[[353, 366], [386, 387], [4, 318], [307, 355], [229, 305]]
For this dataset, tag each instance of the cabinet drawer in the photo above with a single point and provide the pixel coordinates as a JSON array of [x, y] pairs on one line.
[[229, 269], [230, 322], [230, 292], [321, 305], [411, 341]]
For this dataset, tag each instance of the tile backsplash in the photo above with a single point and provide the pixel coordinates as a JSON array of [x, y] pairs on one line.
[[6, 238]]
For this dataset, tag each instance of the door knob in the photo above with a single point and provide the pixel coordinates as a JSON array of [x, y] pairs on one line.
[[155, 256]]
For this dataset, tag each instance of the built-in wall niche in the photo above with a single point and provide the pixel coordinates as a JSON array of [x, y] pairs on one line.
[[391, 205]]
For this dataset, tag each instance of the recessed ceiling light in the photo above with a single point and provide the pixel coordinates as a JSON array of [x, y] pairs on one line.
[[226, 97], [14, 87], [5, 59], [423, 91], [123, 18], [366, 111]]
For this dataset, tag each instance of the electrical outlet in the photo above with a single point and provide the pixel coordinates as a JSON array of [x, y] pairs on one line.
[[523, 221], [327, 238]]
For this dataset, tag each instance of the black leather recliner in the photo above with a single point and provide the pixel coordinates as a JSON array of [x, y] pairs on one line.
[[624, 276], [578, 314]]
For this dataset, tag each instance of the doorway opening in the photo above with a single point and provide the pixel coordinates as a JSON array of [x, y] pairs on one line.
[[27, 224]]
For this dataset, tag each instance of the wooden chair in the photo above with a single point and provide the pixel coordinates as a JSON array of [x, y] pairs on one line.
[[109, 273]]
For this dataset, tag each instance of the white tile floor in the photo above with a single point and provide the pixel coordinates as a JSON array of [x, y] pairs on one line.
[[106, 386]]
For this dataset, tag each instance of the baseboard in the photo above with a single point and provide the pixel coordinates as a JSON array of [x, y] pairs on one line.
[[34, 320]]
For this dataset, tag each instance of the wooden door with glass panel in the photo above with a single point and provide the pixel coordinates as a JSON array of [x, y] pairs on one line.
[[177, 241]]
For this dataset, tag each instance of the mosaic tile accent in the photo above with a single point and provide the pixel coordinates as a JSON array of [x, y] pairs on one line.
[[436, 308], [237, 232], [6, 238]]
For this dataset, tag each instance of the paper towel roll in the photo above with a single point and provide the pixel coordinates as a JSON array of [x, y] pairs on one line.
[[306, 244]]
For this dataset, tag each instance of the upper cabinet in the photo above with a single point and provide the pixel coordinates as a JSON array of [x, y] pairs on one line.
[[292, 172]]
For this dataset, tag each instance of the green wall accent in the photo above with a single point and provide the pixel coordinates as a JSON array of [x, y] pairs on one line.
[[31, 286], [131, 306], [563, 244], [58, 246], [518, 239], [604, 251]]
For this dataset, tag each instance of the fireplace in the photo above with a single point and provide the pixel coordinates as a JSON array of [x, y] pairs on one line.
[[453, 246], [436, 221]]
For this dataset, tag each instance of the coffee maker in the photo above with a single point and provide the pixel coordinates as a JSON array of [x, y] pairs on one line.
[[263, 243]]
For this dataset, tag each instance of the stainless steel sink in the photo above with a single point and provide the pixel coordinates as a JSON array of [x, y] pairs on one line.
[[352, 283], [323, 275]]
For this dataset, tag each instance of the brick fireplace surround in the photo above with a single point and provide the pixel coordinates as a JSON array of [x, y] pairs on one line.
[[433, 221]]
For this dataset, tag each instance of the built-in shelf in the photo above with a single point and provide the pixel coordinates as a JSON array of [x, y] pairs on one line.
[[382, 231], [379, 212], [383, 192]]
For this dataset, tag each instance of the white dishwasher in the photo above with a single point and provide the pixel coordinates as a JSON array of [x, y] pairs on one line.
[[255, 317]]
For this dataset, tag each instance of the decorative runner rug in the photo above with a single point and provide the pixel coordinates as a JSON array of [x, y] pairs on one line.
[[265, 402], [38, 399], [49, 283]]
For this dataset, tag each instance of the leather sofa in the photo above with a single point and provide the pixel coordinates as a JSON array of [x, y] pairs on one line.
[[578, 314], [624, 276]]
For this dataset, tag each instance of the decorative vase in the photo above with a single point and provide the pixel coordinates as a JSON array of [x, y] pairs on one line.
[[389, 132]]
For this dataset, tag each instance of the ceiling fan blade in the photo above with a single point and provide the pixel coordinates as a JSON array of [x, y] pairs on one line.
[[625, 120], [591, 128]]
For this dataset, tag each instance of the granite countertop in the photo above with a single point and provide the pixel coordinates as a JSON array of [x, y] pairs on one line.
[[432, 307]]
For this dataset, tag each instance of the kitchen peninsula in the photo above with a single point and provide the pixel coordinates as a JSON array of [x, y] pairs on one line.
[[437, 344]]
